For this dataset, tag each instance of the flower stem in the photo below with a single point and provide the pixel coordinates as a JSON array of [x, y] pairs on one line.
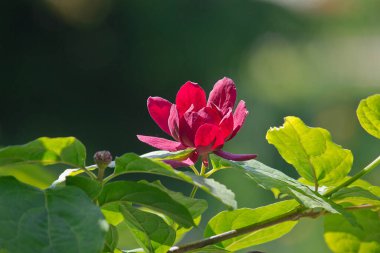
[[196, 172], [100, 174], [193, 191], [361, 173], [203, 169], [210, 172]]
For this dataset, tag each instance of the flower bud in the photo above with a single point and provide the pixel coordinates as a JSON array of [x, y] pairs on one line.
[[102, 159]]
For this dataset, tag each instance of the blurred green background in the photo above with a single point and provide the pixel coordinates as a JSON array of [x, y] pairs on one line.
[[85, 68]]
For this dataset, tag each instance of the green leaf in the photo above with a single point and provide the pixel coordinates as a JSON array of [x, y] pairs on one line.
[[91, 187], [32, 174], [149, 230], [356, 196], [195, 206], [46, 151], [210, 249], [143, 193], [368, 114], [112, 239], [166, 155], [269, 178], [359, 192], [132, 163], [180, 232], [216, 189], [366, 185], [56, 220], [71, 173], [311, 151], [231, 220], [138, 250], [375, 190], [342, 237]]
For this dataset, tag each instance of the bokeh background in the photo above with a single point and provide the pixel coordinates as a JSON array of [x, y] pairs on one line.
[[85, 68]]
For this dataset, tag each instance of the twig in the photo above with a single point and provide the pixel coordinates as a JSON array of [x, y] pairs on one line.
[[293, 215]]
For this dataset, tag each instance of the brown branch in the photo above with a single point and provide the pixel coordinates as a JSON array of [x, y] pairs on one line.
[[293, 215]]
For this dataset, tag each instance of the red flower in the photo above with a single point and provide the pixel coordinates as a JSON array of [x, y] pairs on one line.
[[194, 122]]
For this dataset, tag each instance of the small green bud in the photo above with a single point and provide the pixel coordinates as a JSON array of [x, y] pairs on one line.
[[102, 159]]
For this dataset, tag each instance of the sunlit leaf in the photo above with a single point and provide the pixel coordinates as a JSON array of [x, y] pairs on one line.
[[368, 114], [46, 151], [143, 193], [231, 220], [138, 250], [210, 249], [56, 220], [359, 192], [342, 237], [132, 163], [311, 151], [32, 174], [71, 173], [166, 155], [356, 196], [111, 212], [365, 185], [149, 230]]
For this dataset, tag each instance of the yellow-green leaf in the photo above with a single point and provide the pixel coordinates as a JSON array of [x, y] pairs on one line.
[[368, 114], [45, 151], [230, 220], [311, 151], [342, 237], [358, 193]]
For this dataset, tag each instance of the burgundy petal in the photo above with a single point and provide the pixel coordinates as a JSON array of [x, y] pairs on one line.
[[190, 94], [223, 94], [235, 157], [216, 108], [227, 124], [186, 133], [159, 110], [191, 121], [173, 123], [240, 114], [178, 164], [161, 143], [208, 115], [208, 137]]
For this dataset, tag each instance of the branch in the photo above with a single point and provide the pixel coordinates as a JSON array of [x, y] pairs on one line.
[[293, 215]]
